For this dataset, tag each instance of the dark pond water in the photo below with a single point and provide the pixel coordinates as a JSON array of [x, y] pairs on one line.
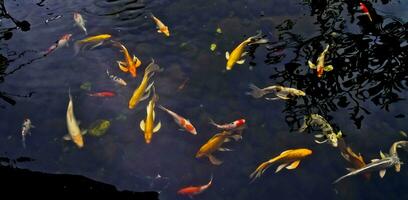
[[364, 96]]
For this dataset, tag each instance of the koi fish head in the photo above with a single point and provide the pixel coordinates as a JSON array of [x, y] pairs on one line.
[[190, 128], [76, 15], [165, 31], [239, 122], [66, 37], [132, 70], [306, 152], [199, 154], [148, 138], [78, 140], [320, 71], [333, 139]]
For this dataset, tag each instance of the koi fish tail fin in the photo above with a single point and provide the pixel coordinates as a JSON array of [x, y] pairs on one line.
[[152, 68], [256, 92], [162, 108], [341, 178], [259, 171], [77, 48], [212, 122], [23, 142], [69, 94]]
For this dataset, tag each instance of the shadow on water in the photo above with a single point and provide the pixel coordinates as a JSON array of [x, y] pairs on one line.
[[369, 65]]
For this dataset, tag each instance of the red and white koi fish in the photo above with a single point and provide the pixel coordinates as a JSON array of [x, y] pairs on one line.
[[63, 41], [194, 190], [103, 94], [27, 125], [116, 79], [80, 22], [230, 126], [181, 121], [364, 8]]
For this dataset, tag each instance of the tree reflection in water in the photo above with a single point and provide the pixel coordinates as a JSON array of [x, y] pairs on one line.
[[369, 64]]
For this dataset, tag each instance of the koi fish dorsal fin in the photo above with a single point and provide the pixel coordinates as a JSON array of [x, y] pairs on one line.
[[157, 127], [142, 125], [285, 152], [294, 165]]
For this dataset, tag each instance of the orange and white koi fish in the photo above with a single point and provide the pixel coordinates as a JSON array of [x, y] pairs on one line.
[[230, 126], [75, 133], [238, 53], [181, 121], [194, 190], [80, 22], [289, 159], [131, 63], [215, 143], [320, 66], [63, 41], [364, 8], [116, 79], [161, 28], [148, 126]]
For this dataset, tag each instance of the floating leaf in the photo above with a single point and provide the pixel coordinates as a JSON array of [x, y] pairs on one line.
[[99, 127], [219, 30], [213, 46], [86, 86]]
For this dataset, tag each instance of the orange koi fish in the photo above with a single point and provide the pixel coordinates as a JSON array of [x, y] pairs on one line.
[[194, 190], [161, 28], [181, 121], [131, 64]]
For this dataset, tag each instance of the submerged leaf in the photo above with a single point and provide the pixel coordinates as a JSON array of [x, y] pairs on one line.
[[86, 86], [99, 127], [219, 30]]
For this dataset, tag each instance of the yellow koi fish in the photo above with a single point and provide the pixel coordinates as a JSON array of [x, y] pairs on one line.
[[131, 64], [289, 159], [321, 67], [161, 28], [97, 40], [148, 125], [139, 93], [75, 133], [214, 144], [238, 53]]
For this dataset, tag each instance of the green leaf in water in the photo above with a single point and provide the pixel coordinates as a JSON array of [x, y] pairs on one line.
[[86, 86], [219, 30], [99, 127], [213, 46]]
